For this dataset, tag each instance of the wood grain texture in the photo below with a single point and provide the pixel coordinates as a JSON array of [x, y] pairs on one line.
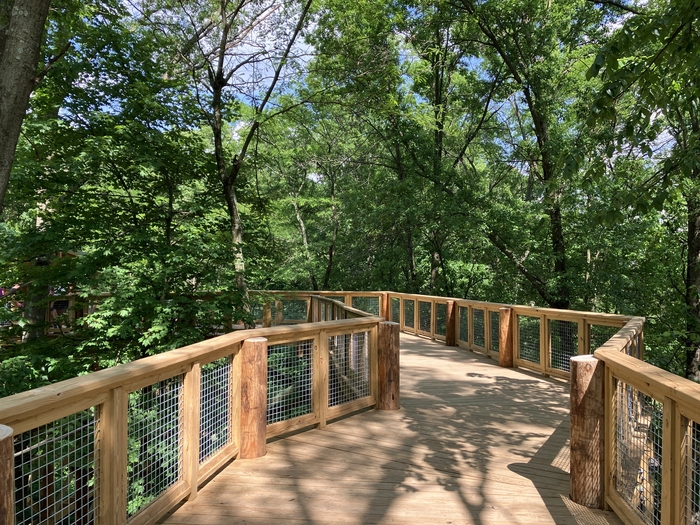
[[451, 324], [389, 371], [473, 443], [7, 476], [253, 398], [587, 431], [505, 338]]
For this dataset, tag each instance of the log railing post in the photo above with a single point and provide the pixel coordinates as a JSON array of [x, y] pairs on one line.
[[505, 337], [253, 398], [279, 312], [267, 315], [587, 431], [7, 476], [451, 324], [388, 365], [385, 307]]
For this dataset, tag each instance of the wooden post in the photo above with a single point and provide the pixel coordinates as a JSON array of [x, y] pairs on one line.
[[505, 337], [587, 431], [267, 315], [310, 310], [279, 313], [7, 476], [191, 415], [389, 372], [451, 325], [385, 310], [253, 398], [113, 432]]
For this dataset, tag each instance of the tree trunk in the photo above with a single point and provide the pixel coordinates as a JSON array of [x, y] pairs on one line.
[[305, 241], [20, 45], [692, 288]]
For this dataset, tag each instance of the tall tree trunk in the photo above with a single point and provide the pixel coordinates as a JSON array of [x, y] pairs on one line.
[[305, 241], [20, 45], [692, 286], [334, 236]]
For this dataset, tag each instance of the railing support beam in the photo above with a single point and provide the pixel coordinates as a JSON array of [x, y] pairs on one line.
[[7, 476], [253, 398], [388, 354], [587, 431], [505, 337]]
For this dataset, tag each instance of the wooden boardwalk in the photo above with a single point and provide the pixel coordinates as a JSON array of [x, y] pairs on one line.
[[472, 444]]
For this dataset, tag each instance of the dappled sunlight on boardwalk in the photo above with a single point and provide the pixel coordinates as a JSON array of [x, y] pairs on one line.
[[472, 444]]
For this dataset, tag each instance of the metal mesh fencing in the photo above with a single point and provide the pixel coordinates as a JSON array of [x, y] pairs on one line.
[[638, 421], [495, 330], [529, 338], [366, 304], [563, 337], [425, 313], [294, 310], [691, 474], [464, 324], [395, 309], [256, 310], [215, 408], [599, 334], [440, 318], [348, 368], [57, 471], [479, 332], [409, 313], [154, 452], [289, 380]]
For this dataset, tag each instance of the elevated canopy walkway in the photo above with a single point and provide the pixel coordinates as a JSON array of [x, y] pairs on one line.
[[234, 429]]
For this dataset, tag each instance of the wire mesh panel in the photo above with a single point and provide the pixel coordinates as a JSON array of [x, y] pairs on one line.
[[215, 410], [691, 496], [289, 380], [599, 334], [440, 318], [529, 338], [495, 330], [366, 304], [563, 337], [395, 309], [154, 452], [294, 310], [409, 313], [425, 313], [464, 324], [348, 368], [638, 421], [57, 471], [479, 333]]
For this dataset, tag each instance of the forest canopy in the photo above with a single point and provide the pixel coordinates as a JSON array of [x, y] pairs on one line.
[[153, 152]]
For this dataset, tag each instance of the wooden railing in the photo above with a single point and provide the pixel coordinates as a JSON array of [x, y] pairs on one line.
[[126, 444], [635, 439]]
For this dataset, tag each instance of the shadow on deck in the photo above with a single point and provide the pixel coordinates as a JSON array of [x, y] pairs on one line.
[[472, 444]]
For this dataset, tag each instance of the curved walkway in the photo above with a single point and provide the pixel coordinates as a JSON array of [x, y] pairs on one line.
[[472, 444]]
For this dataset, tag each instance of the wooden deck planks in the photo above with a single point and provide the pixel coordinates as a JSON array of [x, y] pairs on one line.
[[472, 444]]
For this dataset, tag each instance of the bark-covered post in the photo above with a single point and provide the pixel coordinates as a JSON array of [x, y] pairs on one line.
[[385, 311], [388, 354], [451, 324], [505, 337], [253, 398], [587, 431], [7, 476]]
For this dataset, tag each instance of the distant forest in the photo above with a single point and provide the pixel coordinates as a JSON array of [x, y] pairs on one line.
[[153, 152]]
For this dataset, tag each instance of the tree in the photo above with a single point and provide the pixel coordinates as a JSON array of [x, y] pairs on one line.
[[21, 30], [653, 59]]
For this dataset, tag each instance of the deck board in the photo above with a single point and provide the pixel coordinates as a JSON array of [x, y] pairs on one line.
[[472, 444]]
